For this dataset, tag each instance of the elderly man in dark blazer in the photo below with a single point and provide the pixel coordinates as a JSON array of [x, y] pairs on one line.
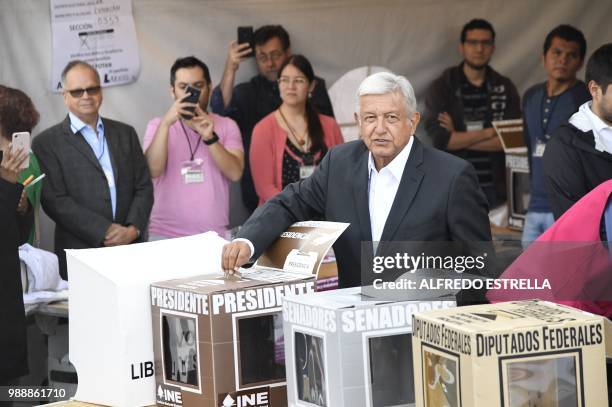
[[98, 189], [388, 186]]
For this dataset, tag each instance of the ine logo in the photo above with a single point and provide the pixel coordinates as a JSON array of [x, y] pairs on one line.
[[246, 399], [228, 401], [173, 397]]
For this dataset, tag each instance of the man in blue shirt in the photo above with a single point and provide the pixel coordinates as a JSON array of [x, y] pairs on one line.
[[98, 189], [545, 107]]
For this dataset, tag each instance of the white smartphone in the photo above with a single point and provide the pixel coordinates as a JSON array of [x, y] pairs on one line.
[[21, 140]]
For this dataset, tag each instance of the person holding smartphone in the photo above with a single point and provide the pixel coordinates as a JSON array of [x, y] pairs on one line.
[[192, 155], [249, 102], [16, 220], [18, 114]]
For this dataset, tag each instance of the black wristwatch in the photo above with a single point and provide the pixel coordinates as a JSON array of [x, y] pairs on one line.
[[213, 140]]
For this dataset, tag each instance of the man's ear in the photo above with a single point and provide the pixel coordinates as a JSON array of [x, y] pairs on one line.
[[415, 119], [356, 116], [593, 88]]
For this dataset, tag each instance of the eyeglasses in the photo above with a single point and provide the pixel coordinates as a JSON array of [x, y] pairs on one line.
[[77, 93], [285, 80], [274, 56], [484, 43]]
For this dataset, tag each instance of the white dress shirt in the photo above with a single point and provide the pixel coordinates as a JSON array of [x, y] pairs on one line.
[[602, 132], [383, 187]]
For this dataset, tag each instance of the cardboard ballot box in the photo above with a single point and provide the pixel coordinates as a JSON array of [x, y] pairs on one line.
[[510, 132], [219, 341], [110, 340], [513, 354], [343, 348]]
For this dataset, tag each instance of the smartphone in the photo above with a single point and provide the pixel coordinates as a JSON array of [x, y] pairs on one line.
[[21, 140], [245, 35], [194, 97]]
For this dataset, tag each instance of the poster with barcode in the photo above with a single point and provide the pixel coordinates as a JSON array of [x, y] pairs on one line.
[[99, 32]]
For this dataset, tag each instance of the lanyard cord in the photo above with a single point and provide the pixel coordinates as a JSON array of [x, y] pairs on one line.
[[307, 158], [301, 141], [191, 151]]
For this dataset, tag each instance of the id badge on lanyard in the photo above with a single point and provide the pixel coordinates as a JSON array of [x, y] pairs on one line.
[[192, 172], [306, 171], [473, 126], [539, 149]]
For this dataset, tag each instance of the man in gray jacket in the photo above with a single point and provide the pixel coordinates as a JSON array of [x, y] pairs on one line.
[[98, 189]]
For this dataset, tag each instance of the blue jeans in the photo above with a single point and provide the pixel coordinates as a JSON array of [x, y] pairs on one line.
[[536, 223]]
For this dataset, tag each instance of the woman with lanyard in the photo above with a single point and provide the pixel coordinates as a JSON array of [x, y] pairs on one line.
[[290, 142]]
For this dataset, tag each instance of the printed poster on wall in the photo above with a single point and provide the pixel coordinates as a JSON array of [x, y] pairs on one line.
[[100, 32]]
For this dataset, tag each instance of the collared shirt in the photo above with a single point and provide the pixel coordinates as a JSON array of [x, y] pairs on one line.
[[383, 186], [99, 146], [602, 132]]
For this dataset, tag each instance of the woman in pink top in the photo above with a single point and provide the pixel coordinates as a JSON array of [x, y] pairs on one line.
[[289, 143]]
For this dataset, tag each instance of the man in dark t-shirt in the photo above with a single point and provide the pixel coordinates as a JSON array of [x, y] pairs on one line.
[[462, 103], [546, 106]]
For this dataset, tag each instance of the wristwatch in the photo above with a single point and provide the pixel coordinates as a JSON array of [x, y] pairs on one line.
[[213, 139]]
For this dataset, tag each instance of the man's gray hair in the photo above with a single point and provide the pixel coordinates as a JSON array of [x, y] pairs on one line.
[[382, 83], [74, 64]]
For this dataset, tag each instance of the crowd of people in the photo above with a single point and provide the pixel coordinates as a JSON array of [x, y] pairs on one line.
[[276, 134]]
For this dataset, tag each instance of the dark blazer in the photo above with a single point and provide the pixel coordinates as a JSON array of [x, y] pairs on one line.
[[438, 199], [14, 230], [76, 195]]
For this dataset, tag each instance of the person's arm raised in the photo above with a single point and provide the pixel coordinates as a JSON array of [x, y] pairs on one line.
[[236, 54]]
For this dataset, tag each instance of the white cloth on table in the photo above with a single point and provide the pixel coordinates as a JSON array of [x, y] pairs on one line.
[[44, 281]]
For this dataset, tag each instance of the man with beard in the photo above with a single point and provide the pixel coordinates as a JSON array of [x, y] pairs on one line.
[[578, 156], [461, 104], [193, 155]]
